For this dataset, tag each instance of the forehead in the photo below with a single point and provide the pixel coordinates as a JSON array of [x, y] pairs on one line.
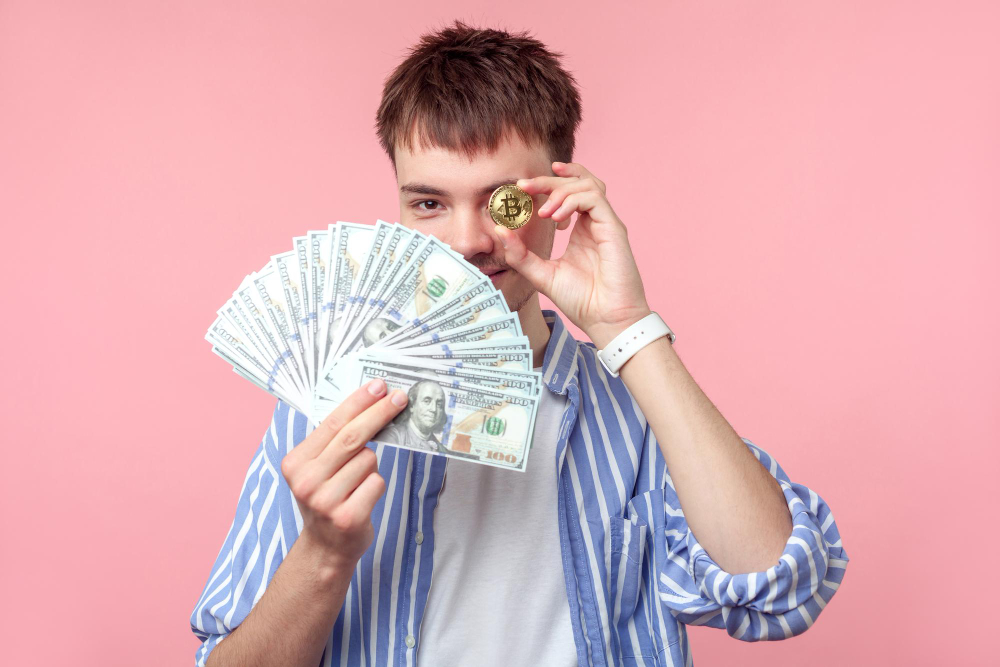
[[457, 173], [429, 390]]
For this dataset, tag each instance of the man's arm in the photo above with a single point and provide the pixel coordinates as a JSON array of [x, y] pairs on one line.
[[734, 507], [291, 622], [334, 480]]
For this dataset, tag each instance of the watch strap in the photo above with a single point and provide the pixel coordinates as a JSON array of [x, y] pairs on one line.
[[637, 336]]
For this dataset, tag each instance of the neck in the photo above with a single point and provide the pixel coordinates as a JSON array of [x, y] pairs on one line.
[[534, 327]]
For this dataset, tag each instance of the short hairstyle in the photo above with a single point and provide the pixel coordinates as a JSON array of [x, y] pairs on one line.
[[465, 88]]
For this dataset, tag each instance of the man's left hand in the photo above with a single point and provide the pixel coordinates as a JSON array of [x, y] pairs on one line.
[[595, 283]]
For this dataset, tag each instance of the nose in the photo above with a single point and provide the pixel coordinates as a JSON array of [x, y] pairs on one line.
[[471, 232]]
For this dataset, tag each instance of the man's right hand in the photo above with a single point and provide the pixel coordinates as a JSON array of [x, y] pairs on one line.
[[334, 477]]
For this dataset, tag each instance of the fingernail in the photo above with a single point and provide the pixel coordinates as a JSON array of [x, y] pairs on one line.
[[376, 387], [398, 398], [521, 182], [503, 235]]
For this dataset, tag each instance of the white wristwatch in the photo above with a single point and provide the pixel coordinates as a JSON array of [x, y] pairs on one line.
[[633, 339]]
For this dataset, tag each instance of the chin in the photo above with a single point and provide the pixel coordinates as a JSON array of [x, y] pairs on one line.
[[516, 293]]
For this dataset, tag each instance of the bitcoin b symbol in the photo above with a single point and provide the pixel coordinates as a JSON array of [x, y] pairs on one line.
[[511, 206]]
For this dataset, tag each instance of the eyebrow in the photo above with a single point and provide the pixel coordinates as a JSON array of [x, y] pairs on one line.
[[423, 189]]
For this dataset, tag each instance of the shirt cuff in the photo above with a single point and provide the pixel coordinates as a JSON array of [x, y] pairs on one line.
[[803, 580]]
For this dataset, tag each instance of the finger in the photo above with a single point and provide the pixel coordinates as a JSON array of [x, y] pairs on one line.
[[338, 487], [358, 431], [578, 170], [582, 202], [543, 184], [539, 272], [559, 194], [364, 498], [358, 401]]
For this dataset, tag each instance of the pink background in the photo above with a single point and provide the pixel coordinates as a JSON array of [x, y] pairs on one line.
[[812, 194]]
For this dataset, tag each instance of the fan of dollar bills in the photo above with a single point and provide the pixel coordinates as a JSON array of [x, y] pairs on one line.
[[355, 302]]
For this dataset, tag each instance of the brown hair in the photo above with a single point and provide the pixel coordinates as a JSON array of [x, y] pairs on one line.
[[463, 88]]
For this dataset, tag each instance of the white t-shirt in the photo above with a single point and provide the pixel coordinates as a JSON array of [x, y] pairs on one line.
[[498, 592]]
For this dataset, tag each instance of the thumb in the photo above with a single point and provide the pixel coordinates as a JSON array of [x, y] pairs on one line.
[[539, 272]]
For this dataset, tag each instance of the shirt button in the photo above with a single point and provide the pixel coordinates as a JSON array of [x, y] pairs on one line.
[[410, 641], [419, 538]]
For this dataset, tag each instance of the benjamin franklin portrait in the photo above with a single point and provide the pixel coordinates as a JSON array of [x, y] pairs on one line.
[[377, 329], [419, 425]]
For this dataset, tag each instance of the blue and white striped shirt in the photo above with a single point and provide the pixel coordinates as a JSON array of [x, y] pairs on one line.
[[634, 572]]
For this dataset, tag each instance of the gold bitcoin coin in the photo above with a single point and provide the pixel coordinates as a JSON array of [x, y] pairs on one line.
[[510, 206]]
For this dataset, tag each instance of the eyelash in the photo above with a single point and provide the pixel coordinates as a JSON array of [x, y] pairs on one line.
[[416, 205]]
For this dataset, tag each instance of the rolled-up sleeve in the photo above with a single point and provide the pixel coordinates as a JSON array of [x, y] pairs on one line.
[[779, 602], [257, 541]]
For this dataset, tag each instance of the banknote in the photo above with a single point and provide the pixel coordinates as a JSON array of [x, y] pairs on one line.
[[495, 355], [353, 242], [452, 419], [487, 307], [331, 386], [356, 301], [494, 330], [435, 274]]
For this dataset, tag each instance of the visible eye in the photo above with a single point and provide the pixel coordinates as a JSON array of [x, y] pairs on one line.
[[434, 204]]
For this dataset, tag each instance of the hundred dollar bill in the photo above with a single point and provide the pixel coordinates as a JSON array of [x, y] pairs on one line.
[[313, 262], [351, 245], [260, 319], [237, 318], [453, 420], [472, 293], [497, 328], [517, 355], [395, 261], [436, 274], [400, 242], [484, 308], [300, 246], [362, 281], [292, 289], [524, 383], [279, 316]]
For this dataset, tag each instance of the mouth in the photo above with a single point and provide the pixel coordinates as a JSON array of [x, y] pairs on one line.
[[495, 274]]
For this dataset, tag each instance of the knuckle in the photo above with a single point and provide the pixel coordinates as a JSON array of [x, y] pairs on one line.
[[301, 487], [319, 504], [342, 519], [349, 438], [333, 423], [288, 466]]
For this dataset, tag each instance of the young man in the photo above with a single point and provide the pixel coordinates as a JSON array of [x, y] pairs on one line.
[[642, 509]]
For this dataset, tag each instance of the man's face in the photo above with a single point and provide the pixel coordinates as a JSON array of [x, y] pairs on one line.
[[428, 406], [445, 194]]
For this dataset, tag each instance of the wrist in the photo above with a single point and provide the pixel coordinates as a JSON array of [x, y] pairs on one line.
[[327, 565], [604, 332]]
